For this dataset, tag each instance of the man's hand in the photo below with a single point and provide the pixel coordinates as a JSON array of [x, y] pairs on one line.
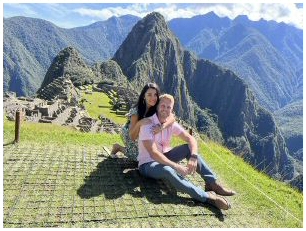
[[181, 169], [192, 165]]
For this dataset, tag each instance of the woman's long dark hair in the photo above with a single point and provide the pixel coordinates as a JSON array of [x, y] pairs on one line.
[[141, 104]]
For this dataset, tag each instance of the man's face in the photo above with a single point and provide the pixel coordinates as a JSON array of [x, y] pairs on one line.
[[164, 108]]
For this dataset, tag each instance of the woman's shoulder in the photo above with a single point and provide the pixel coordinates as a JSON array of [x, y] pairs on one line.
[[132, 111]]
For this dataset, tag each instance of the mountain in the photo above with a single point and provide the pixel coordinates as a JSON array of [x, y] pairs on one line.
[[30, 45], [290, 120], [266, 54], [69, 64], [151, 52]]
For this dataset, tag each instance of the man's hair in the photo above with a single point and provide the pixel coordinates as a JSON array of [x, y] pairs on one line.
[[166, 96]]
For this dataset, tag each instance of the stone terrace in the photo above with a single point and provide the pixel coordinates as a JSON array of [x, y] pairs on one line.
[[57, 111]]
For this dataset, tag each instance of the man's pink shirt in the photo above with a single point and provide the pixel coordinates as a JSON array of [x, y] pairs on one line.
[[162, 139]]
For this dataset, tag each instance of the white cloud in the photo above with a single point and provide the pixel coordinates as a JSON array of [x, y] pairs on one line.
[[280, 12], [73, 15], [106, 13]]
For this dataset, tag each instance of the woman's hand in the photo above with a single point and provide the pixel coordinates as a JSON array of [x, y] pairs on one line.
[[156, 128], [171, 118]]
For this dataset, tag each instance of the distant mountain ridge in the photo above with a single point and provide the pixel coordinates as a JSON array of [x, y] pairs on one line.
[[268, 55], [211, 37], [30, 46]]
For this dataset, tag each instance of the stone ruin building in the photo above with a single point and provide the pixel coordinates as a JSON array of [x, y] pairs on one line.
[[58, 103]]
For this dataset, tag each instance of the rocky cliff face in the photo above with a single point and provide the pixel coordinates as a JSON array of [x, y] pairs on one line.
[[109, 70], [247, 128], [152, 53]]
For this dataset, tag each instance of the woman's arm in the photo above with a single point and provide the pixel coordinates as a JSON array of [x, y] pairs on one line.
[[135, 126], [168, 123]]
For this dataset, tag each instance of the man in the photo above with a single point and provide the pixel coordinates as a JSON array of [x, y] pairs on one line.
[[159, 161]]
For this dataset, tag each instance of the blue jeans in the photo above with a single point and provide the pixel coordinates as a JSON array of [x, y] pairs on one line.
[[159, 171]]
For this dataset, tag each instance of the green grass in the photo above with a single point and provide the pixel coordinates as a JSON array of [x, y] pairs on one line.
[[41, 133], [257, 191], [45, 172], [98, 104]]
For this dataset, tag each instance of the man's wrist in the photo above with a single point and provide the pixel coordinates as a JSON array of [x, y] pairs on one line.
[[175, 165]]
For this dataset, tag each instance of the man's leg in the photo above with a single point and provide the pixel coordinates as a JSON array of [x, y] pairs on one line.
[[159, 171], [181, 152]]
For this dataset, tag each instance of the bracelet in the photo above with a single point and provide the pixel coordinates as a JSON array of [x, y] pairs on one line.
[[194, 156]]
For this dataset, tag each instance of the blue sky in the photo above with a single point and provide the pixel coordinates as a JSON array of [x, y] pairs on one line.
[[68, 15]]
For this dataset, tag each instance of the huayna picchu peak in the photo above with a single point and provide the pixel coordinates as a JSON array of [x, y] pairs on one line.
[[151, 52]]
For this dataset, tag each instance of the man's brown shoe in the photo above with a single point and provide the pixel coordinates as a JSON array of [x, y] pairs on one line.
[[218, 201], [219, 189]]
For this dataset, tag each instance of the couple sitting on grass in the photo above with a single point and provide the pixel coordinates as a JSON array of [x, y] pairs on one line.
[[153, 124]]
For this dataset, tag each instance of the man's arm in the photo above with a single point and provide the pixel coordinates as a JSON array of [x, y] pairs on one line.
[[162, 159], [193, 146]]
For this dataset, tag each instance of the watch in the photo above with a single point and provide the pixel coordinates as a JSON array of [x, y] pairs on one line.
[[194, 156]]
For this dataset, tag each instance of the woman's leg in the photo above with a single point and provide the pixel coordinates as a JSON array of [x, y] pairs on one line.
[[117, 148]]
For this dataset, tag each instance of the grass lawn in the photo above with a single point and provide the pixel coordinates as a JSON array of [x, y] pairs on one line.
[[59, 177]]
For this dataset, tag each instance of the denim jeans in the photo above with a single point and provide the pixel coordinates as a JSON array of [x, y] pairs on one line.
[[159, 171]]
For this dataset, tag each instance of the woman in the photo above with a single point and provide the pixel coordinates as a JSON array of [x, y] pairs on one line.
[[145, 107]]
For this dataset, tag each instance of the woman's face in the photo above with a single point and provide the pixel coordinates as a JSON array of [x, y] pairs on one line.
[[151, 97]]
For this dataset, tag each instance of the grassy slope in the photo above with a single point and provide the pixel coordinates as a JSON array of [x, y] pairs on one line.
[[98, 103], [271, 203]]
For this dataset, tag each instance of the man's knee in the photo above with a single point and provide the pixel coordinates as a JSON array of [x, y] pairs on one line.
[[186, 148], [167, 171]]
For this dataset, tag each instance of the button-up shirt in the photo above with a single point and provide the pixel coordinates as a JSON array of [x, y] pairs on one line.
[[161, 139]]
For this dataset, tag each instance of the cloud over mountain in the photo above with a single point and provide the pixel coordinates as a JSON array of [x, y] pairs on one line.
[[73, 15]]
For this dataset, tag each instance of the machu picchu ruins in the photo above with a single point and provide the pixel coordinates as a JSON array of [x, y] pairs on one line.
[[60, 102]]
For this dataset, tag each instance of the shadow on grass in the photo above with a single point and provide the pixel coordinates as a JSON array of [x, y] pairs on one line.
[[117, 177]]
